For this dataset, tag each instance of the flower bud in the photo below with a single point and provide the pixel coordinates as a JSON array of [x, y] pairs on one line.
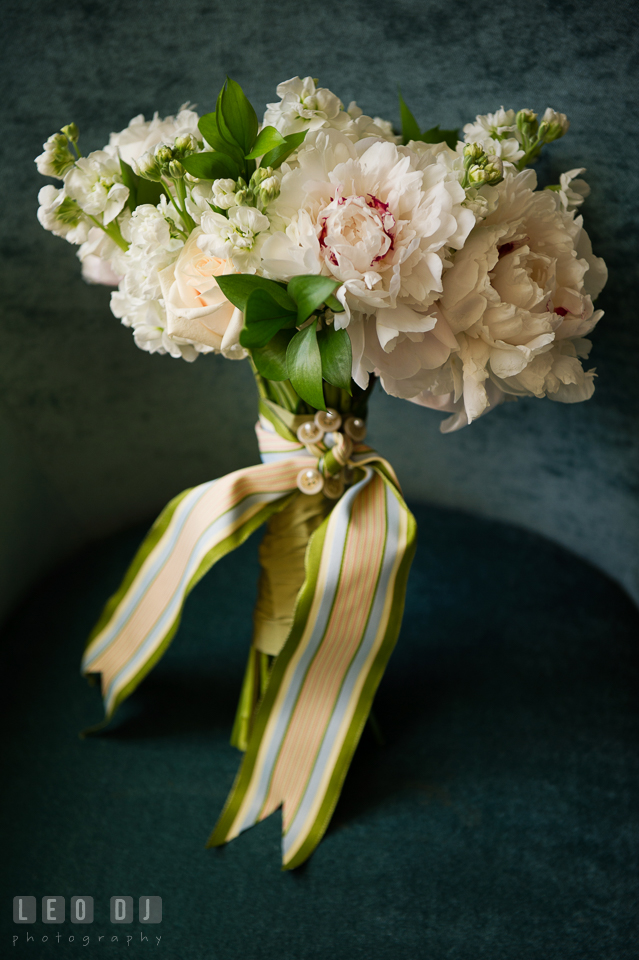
[[71, 132], [554, 125], [474, 151], [183, 146], [269, 190], [526, 121], [261, 174], [494, 171], [148, 167], [241, 197], [477, 175], [163, 154], [176, 170]]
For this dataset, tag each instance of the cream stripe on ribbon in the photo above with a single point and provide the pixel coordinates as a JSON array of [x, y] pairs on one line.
[[347, 619]]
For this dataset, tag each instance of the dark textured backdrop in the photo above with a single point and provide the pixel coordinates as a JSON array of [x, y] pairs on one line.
[[500, 820], [96, 434]]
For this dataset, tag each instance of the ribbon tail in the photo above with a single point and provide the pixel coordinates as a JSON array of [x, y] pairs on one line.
[[322, 685], [192, 533]]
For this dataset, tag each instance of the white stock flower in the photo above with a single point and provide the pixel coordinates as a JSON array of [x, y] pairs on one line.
[[223, 193], [497, 133], [558, 123], [139, 302], [303, 106], [143, 135], [101, 259], [62, 215], [196, 308], [95, 182], [380, 219], [571, 192], [518, 300], [57, 159], [238, 238]]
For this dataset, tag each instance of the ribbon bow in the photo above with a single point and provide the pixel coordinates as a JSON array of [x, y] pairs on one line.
[[346, 621]]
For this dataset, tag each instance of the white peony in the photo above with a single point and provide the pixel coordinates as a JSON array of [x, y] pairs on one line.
[[196, 308], [95, 182], [519, 300], [238, 238], [143, 135], [380, 219], [62, 215]]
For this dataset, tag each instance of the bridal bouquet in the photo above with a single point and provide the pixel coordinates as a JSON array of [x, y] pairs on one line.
[[330, 252]]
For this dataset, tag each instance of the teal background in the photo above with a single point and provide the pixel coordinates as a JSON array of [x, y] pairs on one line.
[[500, 819]]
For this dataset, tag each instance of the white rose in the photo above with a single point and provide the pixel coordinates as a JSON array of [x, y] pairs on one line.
[[195, 306]]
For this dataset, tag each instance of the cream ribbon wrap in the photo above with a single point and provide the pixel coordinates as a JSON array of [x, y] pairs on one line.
[[346, 622]]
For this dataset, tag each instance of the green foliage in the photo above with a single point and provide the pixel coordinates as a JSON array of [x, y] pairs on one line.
[[435, 135], [410, 127], [268, 139], [140, 190], [238, 287], [231, 131], [211, 166], [270, 359], [236, 116], [263, 318], [304, 365], [271, 313], [411, 130], [337, 357], [275, 157], [310, 292]]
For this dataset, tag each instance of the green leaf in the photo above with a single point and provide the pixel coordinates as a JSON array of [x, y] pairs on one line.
[[334, 304], [211, 166], [208, 127], [149, 191], [274, 158], [304, 365], [270, 359], [268, 139], [435, 135], [410, 127], [140, 190], [130, 180], [337, 357], [238, 114], [263, 318], [309, 292], [238, 287]]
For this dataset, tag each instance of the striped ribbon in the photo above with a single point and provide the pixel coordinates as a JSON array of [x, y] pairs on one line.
[[346, 623]]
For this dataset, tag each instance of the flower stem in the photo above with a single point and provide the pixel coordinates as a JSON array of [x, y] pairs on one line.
[[112, 231]]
